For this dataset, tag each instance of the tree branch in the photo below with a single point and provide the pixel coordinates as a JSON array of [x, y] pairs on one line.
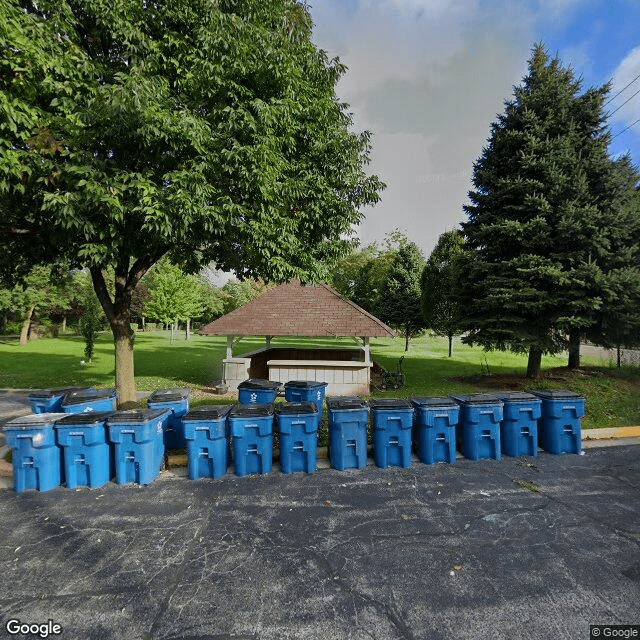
[[100, 287]]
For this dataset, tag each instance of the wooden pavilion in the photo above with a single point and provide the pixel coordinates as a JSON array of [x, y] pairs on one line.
[[294, 309]]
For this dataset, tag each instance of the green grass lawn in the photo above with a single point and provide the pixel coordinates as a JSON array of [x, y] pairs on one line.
[[612, 396]]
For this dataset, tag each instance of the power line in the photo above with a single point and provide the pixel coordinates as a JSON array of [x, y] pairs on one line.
[[621, 90], [622, 105], [629, 127]]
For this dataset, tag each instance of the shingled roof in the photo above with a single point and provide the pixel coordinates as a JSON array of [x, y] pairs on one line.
[[294, 309]]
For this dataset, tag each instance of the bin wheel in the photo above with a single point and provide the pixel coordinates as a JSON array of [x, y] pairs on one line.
[[383, 386], [396, 386]]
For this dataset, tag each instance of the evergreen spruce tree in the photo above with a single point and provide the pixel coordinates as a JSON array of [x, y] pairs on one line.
[[538, 229], [618, 320]]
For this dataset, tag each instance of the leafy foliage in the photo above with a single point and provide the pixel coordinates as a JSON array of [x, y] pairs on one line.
[[92, 320], [400, 302], [442, 310], [208, 130]]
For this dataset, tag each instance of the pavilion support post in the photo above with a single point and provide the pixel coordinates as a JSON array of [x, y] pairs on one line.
[[267, 341], [366, 347], [229, 347]]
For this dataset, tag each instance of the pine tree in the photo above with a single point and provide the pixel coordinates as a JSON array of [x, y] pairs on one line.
[[537, 229]]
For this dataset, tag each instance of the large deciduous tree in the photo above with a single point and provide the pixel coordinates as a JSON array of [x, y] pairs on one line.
[[442, 310], [538, 229], [209, 130]]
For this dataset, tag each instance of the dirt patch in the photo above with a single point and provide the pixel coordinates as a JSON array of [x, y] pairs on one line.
[[519, 381]]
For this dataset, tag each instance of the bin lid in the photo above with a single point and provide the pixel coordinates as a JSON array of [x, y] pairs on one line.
[[131, 416], [87, 395], [258, 383], [51, 393], [389, 403], [479, 398], [34, 420], [251, 411], [304, 384], [170, 395], [88, 417], [557, 394], [346, 402], [295, 408], [517, 396], [434, 402], [210, 412]]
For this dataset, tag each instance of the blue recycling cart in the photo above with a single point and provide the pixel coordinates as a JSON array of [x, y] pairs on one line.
[[560, 421], [86, 451], [205, 432], [50, 400], [306, 391], [89, 400], [176, 402], [519, 431], [297, 424], [258, 391], [348, 417], [139, 444], [392, 422], [251, 429], [479, 426], [435, 422], [37, 459]]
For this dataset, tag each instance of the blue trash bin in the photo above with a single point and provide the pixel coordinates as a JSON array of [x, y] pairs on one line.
[[37, 459], [139, 444], [559, 424], [306, 391], [176, 401], [89, 400], [50, 400], [205, 432], [251, 429], [435, 421], [348, 416], [258, 391], [519, 431], [479, 426], [297, 424], [86, 452], [392, 422]]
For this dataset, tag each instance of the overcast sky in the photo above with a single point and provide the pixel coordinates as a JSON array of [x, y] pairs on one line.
[[427, 78]]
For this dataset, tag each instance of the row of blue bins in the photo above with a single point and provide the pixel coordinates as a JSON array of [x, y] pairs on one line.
[[93, 446]]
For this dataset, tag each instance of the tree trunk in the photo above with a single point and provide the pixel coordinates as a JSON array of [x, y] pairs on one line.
[[118, 312], [123, 338], [187, 329], [64, 324], [24, 333], [618, 350], [143, 323], [450, 344], [534, 362], [173, 328], [406, 339], [574, 349]]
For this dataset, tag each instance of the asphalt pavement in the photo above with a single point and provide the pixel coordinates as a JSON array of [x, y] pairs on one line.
[[532, 547]]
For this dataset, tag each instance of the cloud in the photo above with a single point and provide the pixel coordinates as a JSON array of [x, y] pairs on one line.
[[626, 72]]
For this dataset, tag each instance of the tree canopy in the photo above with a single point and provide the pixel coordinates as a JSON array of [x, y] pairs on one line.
[[442, 310], [399, 302], [540, 224], [209, 131]]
